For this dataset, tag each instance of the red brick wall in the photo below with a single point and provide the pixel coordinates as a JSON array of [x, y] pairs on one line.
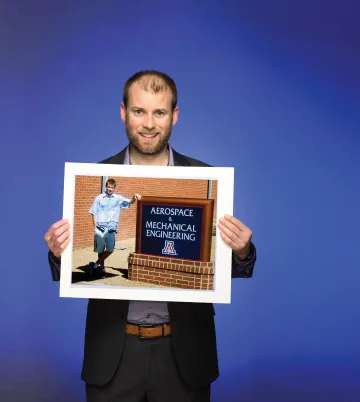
[[88, 187], [171, 272]]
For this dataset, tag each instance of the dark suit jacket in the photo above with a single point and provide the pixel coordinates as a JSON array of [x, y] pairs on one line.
[[193, 328]]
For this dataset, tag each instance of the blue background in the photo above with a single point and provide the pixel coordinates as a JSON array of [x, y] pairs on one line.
[[189, 249], [271, 87]]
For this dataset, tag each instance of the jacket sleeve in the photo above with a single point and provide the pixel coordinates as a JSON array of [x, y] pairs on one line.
[[55, 264], [244, 268]]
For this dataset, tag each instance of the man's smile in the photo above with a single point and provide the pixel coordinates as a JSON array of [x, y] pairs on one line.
[[145, 135]]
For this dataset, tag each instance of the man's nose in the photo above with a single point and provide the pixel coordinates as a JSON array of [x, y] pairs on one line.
[[149, 123]]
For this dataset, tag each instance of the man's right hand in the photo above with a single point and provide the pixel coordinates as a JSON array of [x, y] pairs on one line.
[[58, 237]]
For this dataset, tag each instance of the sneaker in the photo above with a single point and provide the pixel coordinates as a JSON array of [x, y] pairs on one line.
[[92, 268], [99, 273]]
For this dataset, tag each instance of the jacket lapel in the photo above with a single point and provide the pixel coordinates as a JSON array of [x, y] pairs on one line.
[[117, 159], [180, 160]]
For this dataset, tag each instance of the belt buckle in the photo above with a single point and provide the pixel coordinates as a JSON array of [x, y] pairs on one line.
[[140, 330], [141, 336], [152, 326]]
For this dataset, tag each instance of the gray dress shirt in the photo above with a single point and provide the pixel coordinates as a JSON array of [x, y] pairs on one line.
[[148, 312]]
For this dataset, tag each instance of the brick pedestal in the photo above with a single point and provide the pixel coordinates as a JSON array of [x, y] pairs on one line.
[[171, 272]]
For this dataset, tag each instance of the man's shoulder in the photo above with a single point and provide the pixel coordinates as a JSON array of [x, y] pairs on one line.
[[98, 197], [117, 159], [119, 197], [183, 160]]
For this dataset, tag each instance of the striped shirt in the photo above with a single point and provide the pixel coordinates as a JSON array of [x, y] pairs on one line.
[[106, 208]]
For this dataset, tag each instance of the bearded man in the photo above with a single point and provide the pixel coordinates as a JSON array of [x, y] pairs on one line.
[[137, 351]]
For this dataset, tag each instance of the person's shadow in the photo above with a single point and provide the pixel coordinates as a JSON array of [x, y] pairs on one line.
[[85, 276]]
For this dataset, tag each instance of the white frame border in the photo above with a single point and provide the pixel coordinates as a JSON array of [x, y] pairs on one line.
[[223, 253]]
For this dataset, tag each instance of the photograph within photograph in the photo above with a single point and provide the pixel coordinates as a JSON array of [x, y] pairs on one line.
[[144, 232]]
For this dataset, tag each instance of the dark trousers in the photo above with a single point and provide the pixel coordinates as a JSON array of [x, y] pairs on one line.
[[147, 373]]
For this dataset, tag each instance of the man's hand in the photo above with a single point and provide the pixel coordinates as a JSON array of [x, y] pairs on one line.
[[236, 235], [136, 197], [58, 237]]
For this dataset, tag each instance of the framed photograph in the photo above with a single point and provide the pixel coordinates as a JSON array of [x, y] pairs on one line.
[[147, 233]]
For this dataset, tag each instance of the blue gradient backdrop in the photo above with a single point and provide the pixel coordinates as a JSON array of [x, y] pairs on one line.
[[270, 87]]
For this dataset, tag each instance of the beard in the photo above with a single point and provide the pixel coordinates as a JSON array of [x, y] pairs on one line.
[[161, 144]]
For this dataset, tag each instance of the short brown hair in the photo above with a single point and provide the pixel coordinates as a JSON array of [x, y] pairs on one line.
[[112, 182], [153, 81]]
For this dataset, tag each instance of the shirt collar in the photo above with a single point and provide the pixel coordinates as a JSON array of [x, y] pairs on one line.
[[128, 162], [105, 194]]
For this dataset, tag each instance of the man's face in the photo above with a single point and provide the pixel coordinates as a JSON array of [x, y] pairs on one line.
[[110, 189], [148, 119]]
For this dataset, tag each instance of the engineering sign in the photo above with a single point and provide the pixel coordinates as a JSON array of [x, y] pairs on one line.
[[180, 228]]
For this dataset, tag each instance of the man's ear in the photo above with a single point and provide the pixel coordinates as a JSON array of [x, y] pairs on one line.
[[175, 115], [122, 112]]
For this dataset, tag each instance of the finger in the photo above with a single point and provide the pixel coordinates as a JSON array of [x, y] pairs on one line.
[[228, 241], [245, 234], [55, 226], [61, 242], [234, 236], [49, 239], [52, 235], [60, 239], [236, 222], [231, 227], [58, 224], [61, 248], [47, 236], [60, 231]]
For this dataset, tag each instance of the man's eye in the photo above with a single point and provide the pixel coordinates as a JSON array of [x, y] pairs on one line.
[[137, 112], [160, 113]]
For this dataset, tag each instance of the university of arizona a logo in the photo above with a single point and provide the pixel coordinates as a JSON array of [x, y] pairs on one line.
[[169, 248]]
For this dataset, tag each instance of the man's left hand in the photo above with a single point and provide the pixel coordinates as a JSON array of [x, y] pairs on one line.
[[136, 197], [236, 235]]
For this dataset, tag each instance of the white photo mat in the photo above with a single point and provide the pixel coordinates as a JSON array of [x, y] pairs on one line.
[[223, 253]]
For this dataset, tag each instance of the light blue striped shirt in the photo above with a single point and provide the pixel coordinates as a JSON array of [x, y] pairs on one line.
[[106, 208]]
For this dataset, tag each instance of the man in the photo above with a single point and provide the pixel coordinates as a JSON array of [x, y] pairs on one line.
[[105, 212], [152, 351]]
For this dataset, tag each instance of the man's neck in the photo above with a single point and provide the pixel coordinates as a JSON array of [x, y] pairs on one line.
[[159, 159]]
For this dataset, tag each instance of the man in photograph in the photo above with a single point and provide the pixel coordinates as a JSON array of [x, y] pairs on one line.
[[137, 351], [105, 212]]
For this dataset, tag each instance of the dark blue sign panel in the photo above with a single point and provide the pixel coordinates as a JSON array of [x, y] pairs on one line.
[[171, 231]]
